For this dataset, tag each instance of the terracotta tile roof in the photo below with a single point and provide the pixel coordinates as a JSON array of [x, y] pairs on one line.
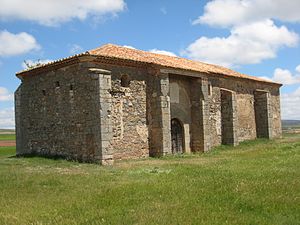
[[115, 51], [55, 62], [165, 61]]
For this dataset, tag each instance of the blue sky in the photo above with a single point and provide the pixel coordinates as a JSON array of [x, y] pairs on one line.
[[256, 37]]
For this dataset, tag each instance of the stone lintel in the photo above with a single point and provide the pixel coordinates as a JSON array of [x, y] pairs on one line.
[[100, 71], [261, 91], [227, 90], [182, 72]]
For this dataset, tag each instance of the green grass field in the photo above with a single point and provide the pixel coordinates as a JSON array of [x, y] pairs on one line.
[[7, 137], [257, 182]]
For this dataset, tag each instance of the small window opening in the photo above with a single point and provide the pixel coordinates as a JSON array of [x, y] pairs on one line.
[[44, 92], [209, 89], [57, 84], [125, 81], [71, 87]]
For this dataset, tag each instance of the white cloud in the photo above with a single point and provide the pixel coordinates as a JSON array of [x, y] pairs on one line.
[[7, 118], [284, 76], [5, 95], [290, 106], [129, 46], [75, 49], [16, 44], [246, 44], [266, 78], [226, 13], [298, 68], [55, 12], [163, 52], [31, 63], [253, 34], [222, 13], [154, 50]]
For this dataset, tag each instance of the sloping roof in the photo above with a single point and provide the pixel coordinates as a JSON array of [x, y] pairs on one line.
[[119, 52]]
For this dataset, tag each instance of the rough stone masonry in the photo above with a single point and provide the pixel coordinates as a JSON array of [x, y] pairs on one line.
[[114, 103]]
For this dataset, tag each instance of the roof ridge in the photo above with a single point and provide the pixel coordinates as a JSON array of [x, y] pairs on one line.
[[168, 56]]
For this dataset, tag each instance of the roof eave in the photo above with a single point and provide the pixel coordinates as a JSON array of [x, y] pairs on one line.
[[194, 73], [87, 57], [83, 57]]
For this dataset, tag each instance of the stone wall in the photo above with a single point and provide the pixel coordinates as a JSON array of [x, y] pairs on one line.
[[244, 91], [228, 118], [81, 113], [275, 116], [189, 104], [181, 106], [246, 116], [243, 107], [262, 114], [129, 111], [200, 127], [130, 131], [58, 114], [159, 114], [214, 101]]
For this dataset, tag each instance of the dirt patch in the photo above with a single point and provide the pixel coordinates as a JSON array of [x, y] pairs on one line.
[[7, 143], [292, 131]]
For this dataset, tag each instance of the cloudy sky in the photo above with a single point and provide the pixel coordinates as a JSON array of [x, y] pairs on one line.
[[256, 37]]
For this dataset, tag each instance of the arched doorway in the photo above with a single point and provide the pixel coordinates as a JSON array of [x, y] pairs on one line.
[[177, 136]]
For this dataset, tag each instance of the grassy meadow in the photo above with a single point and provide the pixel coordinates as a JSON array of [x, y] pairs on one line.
[[257, 182], [7, 137]]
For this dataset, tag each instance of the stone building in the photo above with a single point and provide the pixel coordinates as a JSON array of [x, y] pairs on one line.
[[114, 103]]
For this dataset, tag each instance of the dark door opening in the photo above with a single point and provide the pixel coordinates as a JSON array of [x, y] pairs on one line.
[[177, 136]]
